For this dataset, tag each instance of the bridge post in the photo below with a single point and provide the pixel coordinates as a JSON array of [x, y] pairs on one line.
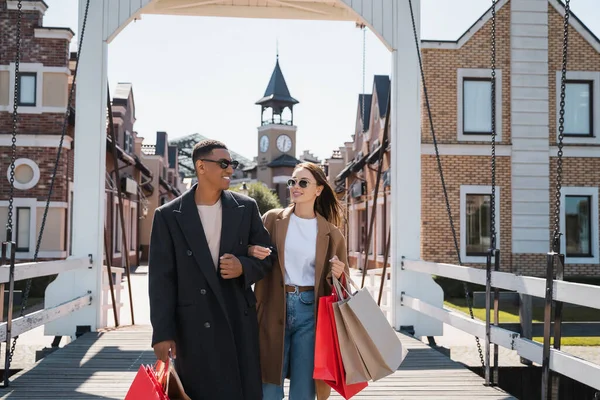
[[406, 176], [89, 189]]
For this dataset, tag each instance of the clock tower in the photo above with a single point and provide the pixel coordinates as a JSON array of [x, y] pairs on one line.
[[277, 136]]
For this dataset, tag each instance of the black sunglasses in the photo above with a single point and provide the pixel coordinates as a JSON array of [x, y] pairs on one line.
[[223, 163], [303, 183]]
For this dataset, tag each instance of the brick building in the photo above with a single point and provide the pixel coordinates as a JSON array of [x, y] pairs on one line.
[[353, 172], [135, 180], [458, 75], [42, 101], [162, 160]]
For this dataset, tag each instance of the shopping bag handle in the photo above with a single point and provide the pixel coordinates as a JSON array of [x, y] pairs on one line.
[[339, 289], [162, 371], [349, 279]]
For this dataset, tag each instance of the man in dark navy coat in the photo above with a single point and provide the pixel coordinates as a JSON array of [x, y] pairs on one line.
[[202, 306]]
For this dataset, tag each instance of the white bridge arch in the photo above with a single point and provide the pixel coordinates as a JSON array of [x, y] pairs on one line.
[[390, 20]]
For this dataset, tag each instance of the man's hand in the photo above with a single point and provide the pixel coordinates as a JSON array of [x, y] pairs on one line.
[[230, 266], [161, 350], [259, 252]]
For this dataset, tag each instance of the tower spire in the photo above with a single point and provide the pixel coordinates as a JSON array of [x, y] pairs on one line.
[[277, 96]]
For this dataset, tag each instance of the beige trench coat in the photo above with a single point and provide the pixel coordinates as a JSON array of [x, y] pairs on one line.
[[270, 293]]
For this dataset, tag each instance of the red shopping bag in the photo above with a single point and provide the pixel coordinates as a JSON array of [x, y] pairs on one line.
[[326, 364], [148, 384]]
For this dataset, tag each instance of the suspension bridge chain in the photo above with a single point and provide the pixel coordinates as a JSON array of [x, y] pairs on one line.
[[561, 128]]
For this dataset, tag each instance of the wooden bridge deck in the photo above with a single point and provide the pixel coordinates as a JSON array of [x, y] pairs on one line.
[[103, 365]]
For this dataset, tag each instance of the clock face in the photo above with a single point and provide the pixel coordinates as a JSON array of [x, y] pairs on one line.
[[284, 143], [264, 144]]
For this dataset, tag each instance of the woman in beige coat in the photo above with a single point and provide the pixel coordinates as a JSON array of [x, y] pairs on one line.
[[310, 249]]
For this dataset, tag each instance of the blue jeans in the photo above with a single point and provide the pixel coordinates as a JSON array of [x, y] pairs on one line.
[[299, 349]]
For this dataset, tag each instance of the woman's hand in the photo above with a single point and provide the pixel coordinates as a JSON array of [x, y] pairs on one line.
[[337, 267], [259, 252]]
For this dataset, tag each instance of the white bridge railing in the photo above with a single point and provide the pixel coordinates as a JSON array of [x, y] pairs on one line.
[[33, 270], [567, 292]]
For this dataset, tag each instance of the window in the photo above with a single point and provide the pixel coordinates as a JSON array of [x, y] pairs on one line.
[[581, 110], [128, 142], [474, 105], [579, 225], [23, 228], [133, 226], [578, 108], [118, 238], [27, 174], [477, 106], [475, 224], [478, 224], [27, 89]]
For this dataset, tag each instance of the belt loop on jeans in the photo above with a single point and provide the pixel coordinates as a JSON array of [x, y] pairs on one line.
[[298, 289]]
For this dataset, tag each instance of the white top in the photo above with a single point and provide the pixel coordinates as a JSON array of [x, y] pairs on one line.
[[300, 251], [211, 218]]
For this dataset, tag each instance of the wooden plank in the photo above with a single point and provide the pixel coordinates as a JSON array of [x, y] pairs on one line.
[[35, 269], [39, 318], [103, 364]]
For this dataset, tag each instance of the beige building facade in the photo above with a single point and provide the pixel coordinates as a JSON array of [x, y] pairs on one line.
[[529, 56]]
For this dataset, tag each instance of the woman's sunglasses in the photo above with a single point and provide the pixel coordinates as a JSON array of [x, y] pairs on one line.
[[303, 183], [223, 163]]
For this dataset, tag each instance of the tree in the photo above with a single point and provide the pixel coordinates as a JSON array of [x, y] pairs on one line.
[[263, 196]]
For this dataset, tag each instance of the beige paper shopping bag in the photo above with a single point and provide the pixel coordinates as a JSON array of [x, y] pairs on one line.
[[376, 341], [354, 366]]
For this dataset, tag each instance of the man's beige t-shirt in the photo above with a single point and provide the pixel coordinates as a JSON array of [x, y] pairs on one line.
[[212, 218]]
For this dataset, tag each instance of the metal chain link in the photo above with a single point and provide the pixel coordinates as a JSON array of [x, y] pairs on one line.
[[493, 80], [441, 174], [15, 120], [561, 128], [54, 173]]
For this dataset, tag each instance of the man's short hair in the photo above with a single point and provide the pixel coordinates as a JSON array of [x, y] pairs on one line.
[[205, 147]]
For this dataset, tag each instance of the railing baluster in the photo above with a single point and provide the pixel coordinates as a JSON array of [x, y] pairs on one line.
[[558, 307], [10, 247], [546, 381], [496, 316], [488, 298]]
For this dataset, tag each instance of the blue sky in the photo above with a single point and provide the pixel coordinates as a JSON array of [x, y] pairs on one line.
[[203, 75]]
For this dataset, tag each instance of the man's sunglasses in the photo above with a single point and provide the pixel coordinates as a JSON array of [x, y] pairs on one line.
[[303, 183], [223, 163]]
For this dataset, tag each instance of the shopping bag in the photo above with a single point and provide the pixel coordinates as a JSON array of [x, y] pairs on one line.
[[369, 329], [344, 389], [326, 365], [354, 366], [174, 388], [146, 386]]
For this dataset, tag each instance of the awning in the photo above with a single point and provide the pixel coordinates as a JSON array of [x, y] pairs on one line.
[[345, 172], [170, 188], [360, 164], [142, 167], [126, 158], [374, 156]]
